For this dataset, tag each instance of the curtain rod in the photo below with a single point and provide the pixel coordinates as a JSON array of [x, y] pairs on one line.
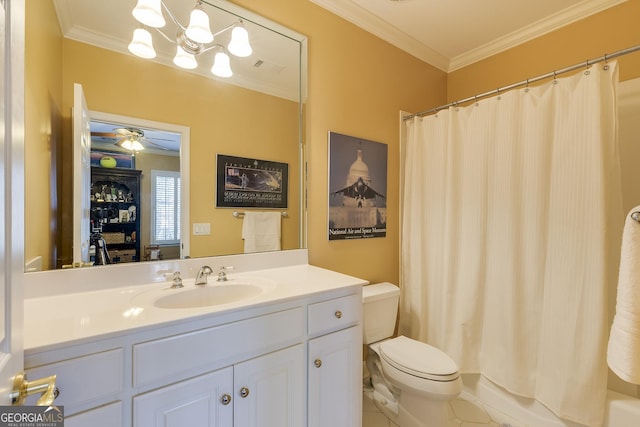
[[553, 74]]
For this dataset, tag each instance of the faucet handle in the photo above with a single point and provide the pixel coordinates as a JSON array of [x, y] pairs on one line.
[[222, 274], [177, 280]]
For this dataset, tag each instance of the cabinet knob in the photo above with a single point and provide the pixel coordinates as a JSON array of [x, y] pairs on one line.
[[338, 314], [244, 392], [317, 362], [225, 399]]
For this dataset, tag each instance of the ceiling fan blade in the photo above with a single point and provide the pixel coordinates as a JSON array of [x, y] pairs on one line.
[[123, 131], [130, 132], [158, 139], [105, 134], [149, 142]]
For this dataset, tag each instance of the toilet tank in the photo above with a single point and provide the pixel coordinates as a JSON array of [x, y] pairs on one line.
[[379, 311]]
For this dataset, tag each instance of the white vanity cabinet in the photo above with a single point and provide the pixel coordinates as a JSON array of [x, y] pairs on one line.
[[264, 391], [247, 366], [335, 363], [270, 390], [262, 375], [202, 401], [90, 380]]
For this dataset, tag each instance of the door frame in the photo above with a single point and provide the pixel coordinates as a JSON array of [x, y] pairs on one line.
[[12, 201], [184, 132]]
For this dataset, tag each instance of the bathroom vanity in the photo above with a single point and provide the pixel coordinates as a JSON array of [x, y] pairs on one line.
[[277, 346]]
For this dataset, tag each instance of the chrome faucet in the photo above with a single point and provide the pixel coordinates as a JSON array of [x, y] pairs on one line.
[[203, 273]]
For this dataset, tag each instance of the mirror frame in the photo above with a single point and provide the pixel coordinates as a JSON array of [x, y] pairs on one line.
[[302, 43]]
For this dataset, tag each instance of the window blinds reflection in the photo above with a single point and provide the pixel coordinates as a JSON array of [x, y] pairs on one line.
[[165, 206]]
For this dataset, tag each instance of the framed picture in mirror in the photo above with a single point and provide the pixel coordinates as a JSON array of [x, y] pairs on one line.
[[251, 183]]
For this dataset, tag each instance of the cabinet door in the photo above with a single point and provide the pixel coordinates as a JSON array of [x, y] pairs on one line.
[[204, 401], [335, 379], [269, 390], [105, 416]]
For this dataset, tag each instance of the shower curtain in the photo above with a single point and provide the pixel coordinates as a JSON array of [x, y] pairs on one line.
[[510, 207]]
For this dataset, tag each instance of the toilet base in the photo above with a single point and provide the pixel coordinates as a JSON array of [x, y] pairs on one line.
[[409, 410], [416, 411]]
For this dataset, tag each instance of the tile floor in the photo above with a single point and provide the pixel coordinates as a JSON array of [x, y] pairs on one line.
[[464, 411]]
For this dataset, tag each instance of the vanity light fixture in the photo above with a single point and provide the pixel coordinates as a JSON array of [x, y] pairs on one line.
[[142, 44], [192, 40]]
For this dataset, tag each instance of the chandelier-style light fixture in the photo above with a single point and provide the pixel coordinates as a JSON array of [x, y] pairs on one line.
[[131, 139], [131, 144], [190, 41]]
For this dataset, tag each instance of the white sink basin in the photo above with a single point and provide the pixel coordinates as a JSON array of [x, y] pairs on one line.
[[208, 295]]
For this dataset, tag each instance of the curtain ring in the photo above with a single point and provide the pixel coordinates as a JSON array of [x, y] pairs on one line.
[[526, 87], [587, 72], [606, 63], [475, 97], [555, 78]]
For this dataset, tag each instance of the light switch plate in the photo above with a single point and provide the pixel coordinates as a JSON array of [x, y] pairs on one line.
[[201, 228]]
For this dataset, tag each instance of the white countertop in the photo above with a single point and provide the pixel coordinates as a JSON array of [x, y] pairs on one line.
[[55, 320]]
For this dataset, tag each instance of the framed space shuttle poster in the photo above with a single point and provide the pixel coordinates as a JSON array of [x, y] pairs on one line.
[[357, 188], [251, 183]]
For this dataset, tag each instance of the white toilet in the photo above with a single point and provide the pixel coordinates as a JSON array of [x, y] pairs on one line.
[[411, 382]]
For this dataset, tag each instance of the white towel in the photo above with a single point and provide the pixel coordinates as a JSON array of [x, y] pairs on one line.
[[623, 353], [261, 231]]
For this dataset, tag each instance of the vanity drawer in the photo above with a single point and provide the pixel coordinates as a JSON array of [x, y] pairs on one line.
[[335, 314], [82, 380], [182, 356]]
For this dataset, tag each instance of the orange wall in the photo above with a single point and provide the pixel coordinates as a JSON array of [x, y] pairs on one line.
[[606, 32], [221, 118], [357, 86], [43, 92]]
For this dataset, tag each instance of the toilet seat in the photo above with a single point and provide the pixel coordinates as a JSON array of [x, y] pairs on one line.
[[418, 359]]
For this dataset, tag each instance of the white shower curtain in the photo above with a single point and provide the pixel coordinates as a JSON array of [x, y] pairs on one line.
[[509, 210]]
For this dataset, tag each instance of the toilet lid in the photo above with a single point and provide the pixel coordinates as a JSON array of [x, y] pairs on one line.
[[419, 359]]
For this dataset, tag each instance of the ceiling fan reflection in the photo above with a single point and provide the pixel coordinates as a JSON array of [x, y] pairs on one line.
[[131, 139]]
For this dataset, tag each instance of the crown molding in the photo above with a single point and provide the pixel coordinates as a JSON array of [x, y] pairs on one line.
[[376, 26], [530, 32]]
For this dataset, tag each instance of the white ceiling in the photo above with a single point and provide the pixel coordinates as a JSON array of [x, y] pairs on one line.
[[451, 34]]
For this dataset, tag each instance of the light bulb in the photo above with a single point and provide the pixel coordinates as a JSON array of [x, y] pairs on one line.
[[136, 146], [239, 45], [198, 29], [126, 144], [142, 45], [221, 65], [184, 59], [149, 12]]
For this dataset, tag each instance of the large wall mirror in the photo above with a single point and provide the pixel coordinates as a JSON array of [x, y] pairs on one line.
[[255, 113]]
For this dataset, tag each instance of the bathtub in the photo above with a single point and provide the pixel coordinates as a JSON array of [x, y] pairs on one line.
[[621, 410]]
